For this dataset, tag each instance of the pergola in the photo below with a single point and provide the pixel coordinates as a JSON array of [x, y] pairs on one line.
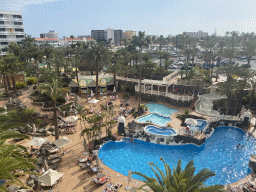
[[156, 82]]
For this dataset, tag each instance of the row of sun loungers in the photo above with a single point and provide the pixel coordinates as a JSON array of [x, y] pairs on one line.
[[246, 187], [112, 188], [100, 179]]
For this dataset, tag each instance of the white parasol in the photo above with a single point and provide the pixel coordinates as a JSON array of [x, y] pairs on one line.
[[94, 101], [50, 177], [37, 141], [61, 142], [190, 121], [91, 93], [71, 119], [114, 90]]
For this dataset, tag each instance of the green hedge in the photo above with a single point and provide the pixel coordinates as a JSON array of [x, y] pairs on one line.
[[66, 107], [31, 80], [20, 84]]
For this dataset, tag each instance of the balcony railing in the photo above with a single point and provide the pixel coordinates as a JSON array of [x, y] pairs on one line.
[[169, 95]]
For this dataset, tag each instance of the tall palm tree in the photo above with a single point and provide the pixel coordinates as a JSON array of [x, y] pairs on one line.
[[97, 54], [12, 156], [250, 50], [179, 180], [12, 159], [54, 91]]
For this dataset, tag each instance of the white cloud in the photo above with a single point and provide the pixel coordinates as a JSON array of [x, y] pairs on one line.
[[17, 5]]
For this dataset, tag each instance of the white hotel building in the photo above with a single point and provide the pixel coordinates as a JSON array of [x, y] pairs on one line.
[[11, 29]]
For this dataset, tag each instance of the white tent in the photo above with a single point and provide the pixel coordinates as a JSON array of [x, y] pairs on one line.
[[71, 119], [191, 121], [37, 141], [121, 119], [94, 101], [50, 177], [61, 142]]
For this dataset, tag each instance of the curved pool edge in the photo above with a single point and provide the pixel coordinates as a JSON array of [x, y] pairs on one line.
[[148, 123], [163, 105], [159, 127], [234, 184]]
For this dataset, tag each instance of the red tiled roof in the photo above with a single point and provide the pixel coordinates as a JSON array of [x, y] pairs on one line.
[[46, 39], [70, 39], [89, 39]]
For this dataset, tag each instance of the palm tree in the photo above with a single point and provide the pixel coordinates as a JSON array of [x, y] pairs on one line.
[[153, 41], [98, 55], [12, 156], [54, 91], [12, 159], [179, 180], [13, 64], [250, 50]]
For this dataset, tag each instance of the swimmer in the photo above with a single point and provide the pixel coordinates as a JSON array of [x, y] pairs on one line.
[[238, 145], [131, 140]]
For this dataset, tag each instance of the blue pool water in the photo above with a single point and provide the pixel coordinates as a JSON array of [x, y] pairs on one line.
[[201, 124], [219, 153], [158, 131], [155, 118], [161, 109]]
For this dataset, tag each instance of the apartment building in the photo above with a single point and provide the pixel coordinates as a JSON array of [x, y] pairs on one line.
[[128, 34], [50, 34], [68, 41], [11, 29], [110, 34], [99, 35], [51, 41], [198, 34], [118, 35]]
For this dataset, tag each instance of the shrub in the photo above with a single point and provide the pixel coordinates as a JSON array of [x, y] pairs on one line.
[[134, 114], [186, 112], [66, 107], [61, 100], [35, 87], [38, 122], [143, 107], [20, 84], [31, 80], [12, 112], [2, 109]]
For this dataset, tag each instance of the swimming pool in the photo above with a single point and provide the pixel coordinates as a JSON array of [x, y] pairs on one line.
[[158, 131], [155, 118], [161, 109], [219, 153]]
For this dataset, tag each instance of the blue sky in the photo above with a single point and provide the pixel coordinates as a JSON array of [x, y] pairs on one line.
[[159, 17]]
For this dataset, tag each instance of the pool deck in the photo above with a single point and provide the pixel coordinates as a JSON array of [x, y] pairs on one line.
[[81, 180]]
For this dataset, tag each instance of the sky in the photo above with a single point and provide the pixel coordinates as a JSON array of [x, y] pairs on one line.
[[155, 17]]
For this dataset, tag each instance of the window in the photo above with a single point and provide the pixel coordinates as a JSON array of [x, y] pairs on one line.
[[2, 36], [2, 29], [20, 30], [17, 16], [1, 22], [19, 36], [4, 43], [17, 23], [1, 15], [4, 50]]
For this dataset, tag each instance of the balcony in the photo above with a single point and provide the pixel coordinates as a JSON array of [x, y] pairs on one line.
[[14, 39], [11, 26], [10, 19]]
